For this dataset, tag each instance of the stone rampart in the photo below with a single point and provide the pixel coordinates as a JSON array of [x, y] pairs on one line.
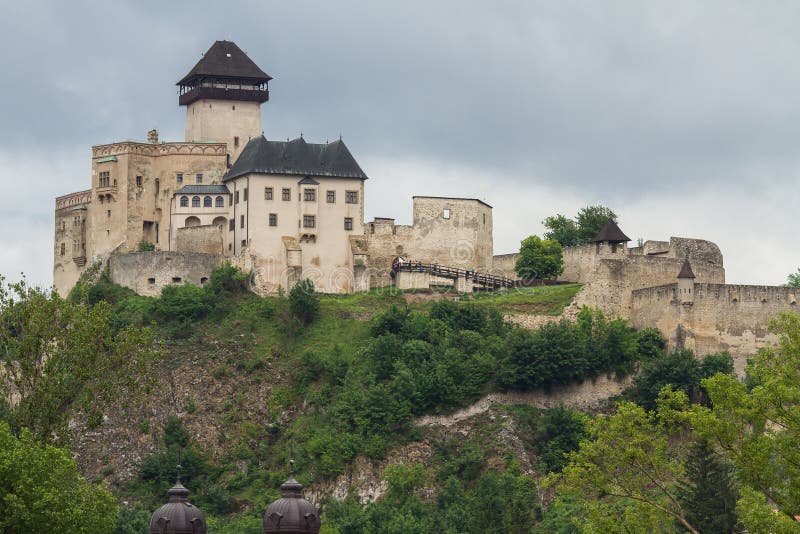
[[205, 239], [719, 317], [148, 272]]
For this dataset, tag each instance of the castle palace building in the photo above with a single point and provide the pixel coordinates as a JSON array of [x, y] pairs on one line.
[[161, 213]]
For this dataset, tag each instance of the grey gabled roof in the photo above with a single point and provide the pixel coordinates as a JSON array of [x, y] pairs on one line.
[[225, 60], [308, 181], [217, 189], [686, 270], [296, 157], [611, 233]]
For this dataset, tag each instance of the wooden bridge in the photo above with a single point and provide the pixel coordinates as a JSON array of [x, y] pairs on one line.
[[416, 275]]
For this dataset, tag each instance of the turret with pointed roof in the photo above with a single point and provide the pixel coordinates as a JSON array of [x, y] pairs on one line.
[[686, 270], [610, 233]]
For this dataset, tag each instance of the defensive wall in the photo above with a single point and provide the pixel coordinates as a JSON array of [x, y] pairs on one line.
[[204, 239], [455, 232], [714, 317], [148, 272], [611, 283]]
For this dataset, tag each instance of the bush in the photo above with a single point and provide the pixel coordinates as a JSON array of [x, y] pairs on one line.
[[680, 369], [145, 246], [228, 278], [183, 303], [304, 302]]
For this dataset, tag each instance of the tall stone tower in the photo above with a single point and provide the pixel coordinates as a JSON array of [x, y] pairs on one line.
[[223, 94]]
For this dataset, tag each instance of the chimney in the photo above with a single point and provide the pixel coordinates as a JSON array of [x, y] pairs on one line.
[[152, 136]]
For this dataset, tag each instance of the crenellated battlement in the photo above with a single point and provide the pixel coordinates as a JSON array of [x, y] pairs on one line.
[[74, 199], [159, 149]]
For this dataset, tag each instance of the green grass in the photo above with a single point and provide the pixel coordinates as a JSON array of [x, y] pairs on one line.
[[545, 300]]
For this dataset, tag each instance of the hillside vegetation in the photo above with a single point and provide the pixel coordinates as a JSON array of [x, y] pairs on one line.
[[238, 383]]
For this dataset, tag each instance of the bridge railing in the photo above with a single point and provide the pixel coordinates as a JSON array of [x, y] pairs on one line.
[[444, 271]]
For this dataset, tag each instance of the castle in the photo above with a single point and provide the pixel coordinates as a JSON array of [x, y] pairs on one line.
[[283, 210], [161, 213]]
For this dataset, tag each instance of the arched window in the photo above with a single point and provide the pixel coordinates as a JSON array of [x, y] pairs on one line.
[[220, 202], [195, 202], [192, 221], [184, 202], [206, 202]]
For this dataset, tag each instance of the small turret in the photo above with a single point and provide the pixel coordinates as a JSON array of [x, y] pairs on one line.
[[686, 283], [610, 239]]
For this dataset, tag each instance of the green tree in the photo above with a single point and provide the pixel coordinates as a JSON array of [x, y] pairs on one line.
[[539, 258], [793, 280], [628, 464], [581, 230], [41, 490], [591, 219], [758, 427], [709, 495], [57, 357], [562, 229], [304, 301]]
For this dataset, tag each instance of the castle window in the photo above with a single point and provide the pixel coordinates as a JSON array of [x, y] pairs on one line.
[[309, 221], [105, 178], [245, 194], [63, 248], [241, 221], [286, 194], [184, 202], [195, 202], [351, 197], [108, 213], [231, 225], [309, 195], [199, 178], [236, 197], [484, 219], [244, 242], [138, 181], [203, 280], [220, 202], [267, 193], [331, 197], [348, 223], [179, 177], [235, 137], [273, 219], [151, 281], [176, 279], [446, 214], [207, 202]]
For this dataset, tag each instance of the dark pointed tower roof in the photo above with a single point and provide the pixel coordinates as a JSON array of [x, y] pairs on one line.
[[291, 514], [178, 516], [224, 73], [611, 233], [225, 60], [686, 270], [296, 157]]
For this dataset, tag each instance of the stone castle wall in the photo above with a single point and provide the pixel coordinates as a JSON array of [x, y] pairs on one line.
[[610, 285], [463, 240], [204, 239], [732, 318], [148, 272]]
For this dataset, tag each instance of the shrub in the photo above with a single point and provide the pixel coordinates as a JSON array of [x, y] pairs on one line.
[[304, 302], [228, 278], [183, 303], [145, 246]]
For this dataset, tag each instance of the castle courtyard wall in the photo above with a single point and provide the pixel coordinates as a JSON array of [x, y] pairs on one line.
[[148, 272], [204, 239]]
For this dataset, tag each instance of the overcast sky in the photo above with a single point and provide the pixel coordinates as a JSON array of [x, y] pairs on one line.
[[684, 117]]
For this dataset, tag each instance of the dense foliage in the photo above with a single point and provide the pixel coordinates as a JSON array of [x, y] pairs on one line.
[[539, 259], [304, 302], [58, 356], [41, 490], [580, 230], [681, 370]]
